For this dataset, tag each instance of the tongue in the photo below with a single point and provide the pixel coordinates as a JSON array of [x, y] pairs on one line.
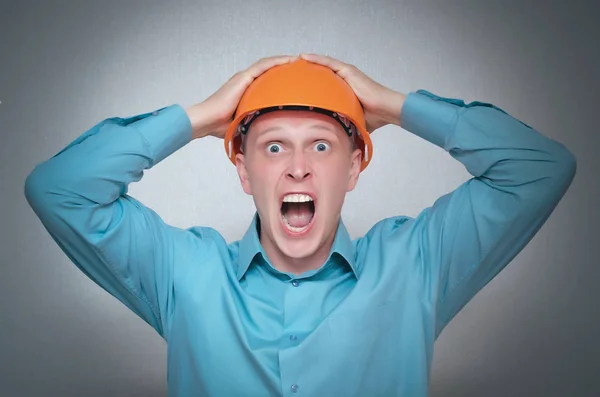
[[298, 214]]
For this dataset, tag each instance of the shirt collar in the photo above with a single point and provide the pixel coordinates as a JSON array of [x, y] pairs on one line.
[[250, 246]]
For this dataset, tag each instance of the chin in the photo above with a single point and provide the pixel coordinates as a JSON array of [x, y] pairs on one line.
[[297, 249]]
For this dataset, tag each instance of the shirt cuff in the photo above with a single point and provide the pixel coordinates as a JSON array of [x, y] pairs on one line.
[[165, 130], [430, 116]]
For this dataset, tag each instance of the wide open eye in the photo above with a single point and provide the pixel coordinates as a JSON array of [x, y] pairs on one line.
[[274, 148], [321, 147]]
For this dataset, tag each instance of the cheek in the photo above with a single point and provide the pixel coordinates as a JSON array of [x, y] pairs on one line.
[[337, 171], [263, 181], [334, 180]]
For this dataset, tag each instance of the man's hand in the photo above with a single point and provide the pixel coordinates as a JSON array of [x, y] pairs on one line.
[[382, 105], [214, 115]]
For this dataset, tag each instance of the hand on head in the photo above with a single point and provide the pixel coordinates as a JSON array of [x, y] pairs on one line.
[[381, 105], [214, 115]]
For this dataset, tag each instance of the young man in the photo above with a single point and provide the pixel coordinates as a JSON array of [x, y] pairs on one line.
[[296, 307]]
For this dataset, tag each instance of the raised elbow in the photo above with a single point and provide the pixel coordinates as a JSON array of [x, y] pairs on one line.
[[566, 166], [35, 188]]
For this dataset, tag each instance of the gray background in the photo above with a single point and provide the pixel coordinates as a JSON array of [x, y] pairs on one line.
[[64, 66]]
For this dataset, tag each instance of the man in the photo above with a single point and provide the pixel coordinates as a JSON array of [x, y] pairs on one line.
[[296, 307]]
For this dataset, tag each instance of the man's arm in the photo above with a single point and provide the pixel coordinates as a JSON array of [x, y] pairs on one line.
[[519, 175], [80, 195], [472, 233]]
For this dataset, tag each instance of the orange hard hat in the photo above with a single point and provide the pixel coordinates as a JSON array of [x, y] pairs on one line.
[[300, 85]]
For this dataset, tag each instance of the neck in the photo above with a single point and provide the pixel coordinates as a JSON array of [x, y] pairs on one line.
[[292, 265]]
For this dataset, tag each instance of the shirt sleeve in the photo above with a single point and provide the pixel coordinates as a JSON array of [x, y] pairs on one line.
[[80, 195], [519, 175]]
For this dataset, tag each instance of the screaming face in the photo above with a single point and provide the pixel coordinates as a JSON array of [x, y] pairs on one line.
[[298, 166]]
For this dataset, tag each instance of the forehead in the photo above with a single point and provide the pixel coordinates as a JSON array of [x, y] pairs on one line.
[[293, 119]]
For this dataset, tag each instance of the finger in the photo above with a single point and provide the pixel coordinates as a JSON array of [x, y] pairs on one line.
[[265, 64], [324, 60]]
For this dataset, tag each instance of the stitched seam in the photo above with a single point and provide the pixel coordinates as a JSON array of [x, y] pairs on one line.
[[123, 279], [109, 260], [452, 129]]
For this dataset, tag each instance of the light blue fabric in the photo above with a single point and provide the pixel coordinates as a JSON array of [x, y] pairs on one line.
[[364, 324]]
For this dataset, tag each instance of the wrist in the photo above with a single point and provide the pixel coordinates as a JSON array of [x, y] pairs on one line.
[[394, 104], [200, 118]]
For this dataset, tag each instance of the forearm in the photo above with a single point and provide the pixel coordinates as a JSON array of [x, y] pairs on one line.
[[99, 165], [201, 119], [488, 141]]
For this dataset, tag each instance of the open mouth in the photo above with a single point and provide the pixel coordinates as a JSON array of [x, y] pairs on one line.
[[297, 212]]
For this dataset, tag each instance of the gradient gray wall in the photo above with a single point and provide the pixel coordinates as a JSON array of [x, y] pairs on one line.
[[64, 66]]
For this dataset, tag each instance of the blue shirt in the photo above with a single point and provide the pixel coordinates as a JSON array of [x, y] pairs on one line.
[[365, 322]]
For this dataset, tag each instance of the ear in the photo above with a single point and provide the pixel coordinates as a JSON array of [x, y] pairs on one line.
[[355, 163], [240, 164]]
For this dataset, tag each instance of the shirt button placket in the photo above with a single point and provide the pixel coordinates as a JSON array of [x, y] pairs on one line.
[[294, 387]]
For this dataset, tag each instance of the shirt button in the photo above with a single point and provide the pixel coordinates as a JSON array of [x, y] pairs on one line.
[[155, 113], [295, 283], [294, 388], [293, 337]]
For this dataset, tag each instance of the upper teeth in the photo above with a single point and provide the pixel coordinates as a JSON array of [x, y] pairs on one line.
[[296, 198]]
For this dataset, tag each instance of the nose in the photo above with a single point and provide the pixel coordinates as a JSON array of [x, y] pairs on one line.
[[298, 167]]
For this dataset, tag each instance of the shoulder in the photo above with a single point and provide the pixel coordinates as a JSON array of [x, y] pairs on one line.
[[205, 238], [391, 247], [393, 234], [391, 227], [203, 252], [205, 233]]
